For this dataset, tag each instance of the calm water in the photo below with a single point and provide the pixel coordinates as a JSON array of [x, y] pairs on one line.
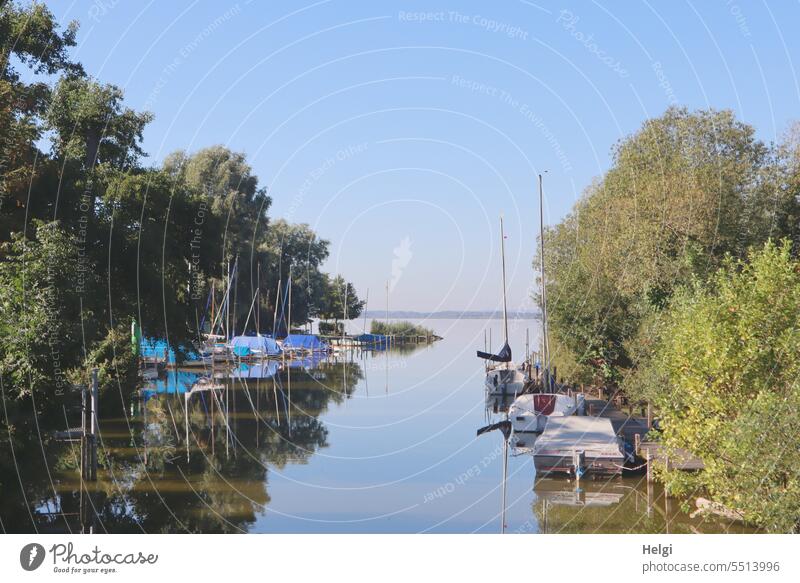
[[374, 442]]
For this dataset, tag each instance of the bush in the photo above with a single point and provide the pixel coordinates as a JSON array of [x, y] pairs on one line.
[[729, 355], [403, 328], [331, 328]]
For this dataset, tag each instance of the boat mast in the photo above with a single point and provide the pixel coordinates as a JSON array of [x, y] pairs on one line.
[[503, 259], [289, 292], [545, 344], [344, 310], [275, 316], [366, 303], [228, 303]]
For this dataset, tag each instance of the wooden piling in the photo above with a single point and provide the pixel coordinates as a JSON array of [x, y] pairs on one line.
[[89, 430]]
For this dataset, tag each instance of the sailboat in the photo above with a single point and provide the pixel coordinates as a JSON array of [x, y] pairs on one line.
[[503, 376], [529, 412]]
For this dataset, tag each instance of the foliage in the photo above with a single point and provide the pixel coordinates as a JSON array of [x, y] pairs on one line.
[[93, 126], [402, 328], [684, 191], [331, 328], [40, 315], [730, 356], [341, 301], [90, 238]]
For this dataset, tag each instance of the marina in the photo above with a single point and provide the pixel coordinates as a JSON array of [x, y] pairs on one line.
[[377, 441]]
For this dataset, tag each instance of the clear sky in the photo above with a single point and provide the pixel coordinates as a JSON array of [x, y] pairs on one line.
[[402, 130]]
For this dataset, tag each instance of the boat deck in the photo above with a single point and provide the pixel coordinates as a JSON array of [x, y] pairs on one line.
[[563, 438]]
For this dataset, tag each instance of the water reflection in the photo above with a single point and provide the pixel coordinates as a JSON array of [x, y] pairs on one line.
[[287, 447], [196, 452], [619, 505]]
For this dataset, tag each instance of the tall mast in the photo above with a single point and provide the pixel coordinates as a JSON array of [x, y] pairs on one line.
[[258, 295], [545, 344], [275, 316], [289, 286], [503, 258], [366, 303], [213, 307], [228, 303], [235, 295], [345, 314]]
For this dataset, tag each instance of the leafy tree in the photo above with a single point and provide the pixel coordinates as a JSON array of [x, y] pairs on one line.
[[683, 191], [729, 354], [29, 36], [341, 300], [40, 316]]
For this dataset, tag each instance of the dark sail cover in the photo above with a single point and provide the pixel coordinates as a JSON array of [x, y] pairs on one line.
[[504, 426], [503, 356]]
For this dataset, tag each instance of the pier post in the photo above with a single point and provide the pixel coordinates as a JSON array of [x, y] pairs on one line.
[[637, 442], [579, 464], [649, 467], [89, 430], [94, 425]]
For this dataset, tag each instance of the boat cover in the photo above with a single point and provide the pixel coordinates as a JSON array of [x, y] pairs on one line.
[[305, 342], [594, 435], [503, 356], [246, 345], [154, 348], [373, 339]]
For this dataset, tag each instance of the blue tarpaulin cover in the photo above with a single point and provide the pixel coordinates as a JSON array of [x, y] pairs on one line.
[[245, 345], [305, 342], [376, 339], [153, 348]]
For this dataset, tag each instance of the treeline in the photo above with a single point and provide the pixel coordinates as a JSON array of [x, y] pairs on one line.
[[675, 279], [93, 237]]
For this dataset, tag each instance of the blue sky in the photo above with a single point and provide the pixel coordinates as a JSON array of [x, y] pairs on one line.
[[402, 130]]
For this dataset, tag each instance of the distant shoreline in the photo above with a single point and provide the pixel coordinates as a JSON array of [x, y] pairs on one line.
[[453, 315]]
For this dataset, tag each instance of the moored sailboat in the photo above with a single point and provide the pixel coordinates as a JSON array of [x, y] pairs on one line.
[[503, 376]]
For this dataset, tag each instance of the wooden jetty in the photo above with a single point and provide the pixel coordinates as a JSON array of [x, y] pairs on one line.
[[576, 445], [634, 431], [354, 341]]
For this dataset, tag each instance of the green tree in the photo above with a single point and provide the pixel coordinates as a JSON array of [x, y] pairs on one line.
[[340, 300], [729, 356], [683, 191]]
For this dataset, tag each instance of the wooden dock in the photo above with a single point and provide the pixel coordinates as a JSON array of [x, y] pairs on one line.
[[634, 429], [631, 427]]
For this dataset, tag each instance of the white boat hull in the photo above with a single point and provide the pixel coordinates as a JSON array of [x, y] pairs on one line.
[[529, 412], [506, 379]]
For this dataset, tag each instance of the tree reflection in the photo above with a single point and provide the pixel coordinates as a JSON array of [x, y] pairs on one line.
[[153, 479]]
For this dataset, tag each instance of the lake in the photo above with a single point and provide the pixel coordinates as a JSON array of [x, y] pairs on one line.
[[366, 442]]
